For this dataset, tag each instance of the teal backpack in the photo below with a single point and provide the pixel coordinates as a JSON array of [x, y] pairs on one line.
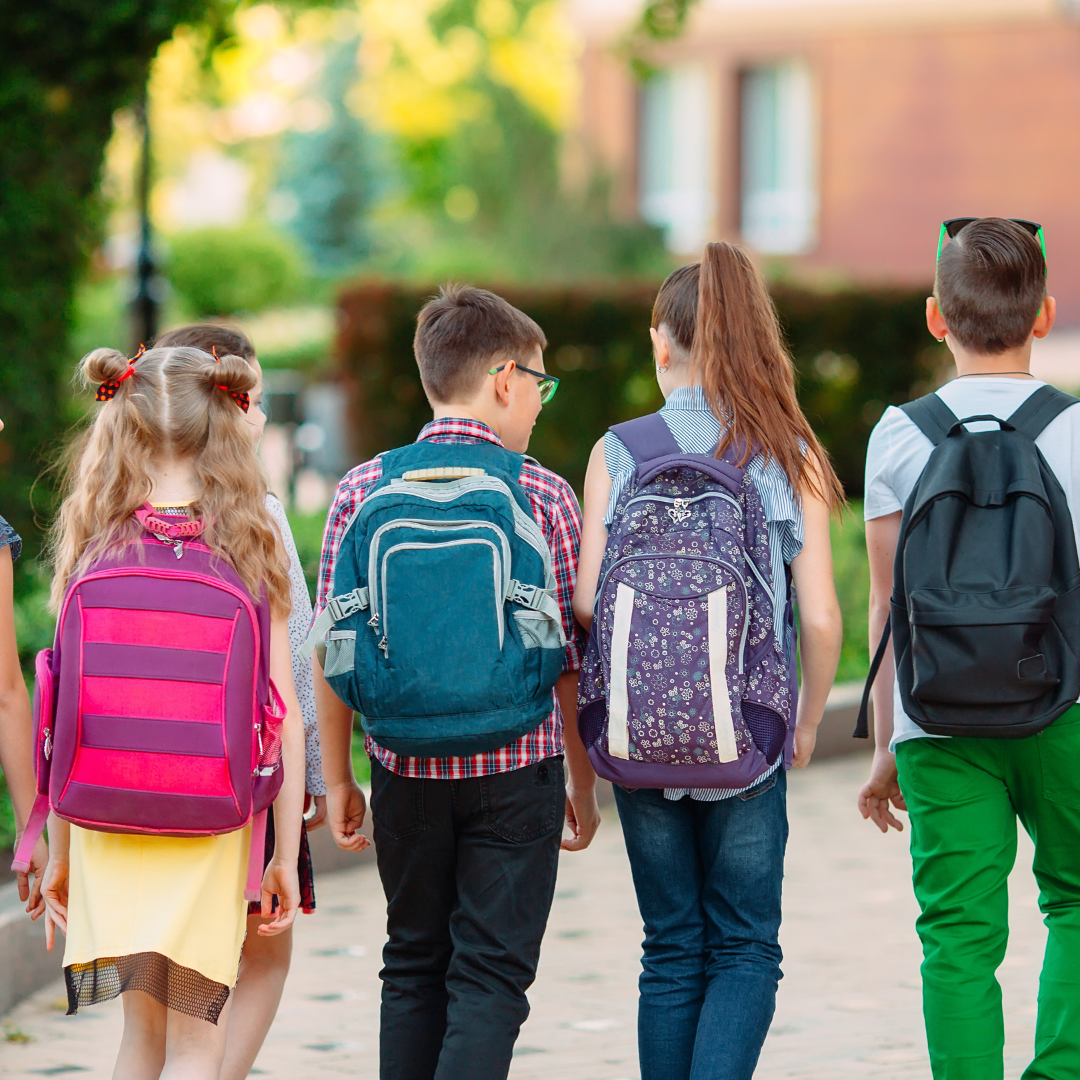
[[443, 631]]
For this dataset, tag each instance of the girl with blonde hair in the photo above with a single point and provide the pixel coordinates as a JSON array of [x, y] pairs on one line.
[[162, 919]]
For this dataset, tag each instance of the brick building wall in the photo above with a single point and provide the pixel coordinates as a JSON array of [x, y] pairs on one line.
[[916, 118]]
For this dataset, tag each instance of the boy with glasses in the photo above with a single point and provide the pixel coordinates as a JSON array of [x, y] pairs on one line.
[[975, 724], [467, 843]]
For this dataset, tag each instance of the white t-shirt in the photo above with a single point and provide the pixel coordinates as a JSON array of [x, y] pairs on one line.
[[898, 452]]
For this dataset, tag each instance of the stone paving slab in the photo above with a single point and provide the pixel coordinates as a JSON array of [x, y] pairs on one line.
[[849, 1005]]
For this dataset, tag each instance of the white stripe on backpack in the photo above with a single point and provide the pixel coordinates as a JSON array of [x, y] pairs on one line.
[[726, 749], [619, 706]]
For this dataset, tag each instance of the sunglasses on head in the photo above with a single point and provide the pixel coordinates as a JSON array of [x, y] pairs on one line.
[[548, 383], [952, 226]]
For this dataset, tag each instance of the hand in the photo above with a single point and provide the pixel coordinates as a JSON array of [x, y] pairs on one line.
[[281, 878], [54, 890], [346, 809], [879, 791], [582, 817], [805, 741], [31, 892], [319, 817]]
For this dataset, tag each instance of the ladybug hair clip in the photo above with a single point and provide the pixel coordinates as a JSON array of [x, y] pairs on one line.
[[241, 397], [107, 390]]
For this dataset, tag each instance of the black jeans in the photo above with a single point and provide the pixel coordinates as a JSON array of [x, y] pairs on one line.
[[468, 868]]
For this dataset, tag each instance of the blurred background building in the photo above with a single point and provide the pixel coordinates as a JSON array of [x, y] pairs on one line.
[[835, 134]]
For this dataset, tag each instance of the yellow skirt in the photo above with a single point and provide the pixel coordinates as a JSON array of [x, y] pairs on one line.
[[165, 915]]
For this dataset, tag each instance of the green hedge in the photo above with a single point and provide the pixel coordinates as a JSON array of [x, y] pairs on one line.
[[856, 352]]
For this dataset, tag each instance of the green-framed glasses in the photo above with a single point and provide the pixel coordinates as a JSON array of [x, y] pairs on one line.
[[952, 226], [548, 383]]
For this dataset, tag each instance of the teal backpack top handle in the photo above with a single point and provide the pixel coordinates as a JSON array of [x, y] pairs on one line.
[[443, 630]]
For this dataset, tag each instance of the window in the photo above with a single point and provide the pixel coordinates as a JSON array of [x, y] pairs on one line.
[[675, 141], [779, 190]]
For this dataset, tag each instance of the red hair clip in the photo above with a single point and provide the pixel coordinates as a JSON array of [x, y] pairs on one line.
[[241, 397], [107, 390]]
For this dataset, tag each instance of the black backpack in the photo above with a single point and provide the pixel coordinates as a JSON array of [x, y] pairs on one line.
[[986, 586]]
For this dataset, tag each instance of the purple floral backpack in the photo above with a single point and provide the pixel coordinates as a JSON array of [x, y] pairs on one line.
[[686, 680]]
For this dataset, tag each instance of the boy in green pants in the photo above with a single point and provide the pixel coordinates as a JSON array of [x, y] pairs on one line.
[[963, 795]]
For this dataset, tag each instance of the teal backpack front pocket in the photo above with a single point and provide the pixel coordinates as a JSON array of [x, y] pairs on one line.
[[442, 625]]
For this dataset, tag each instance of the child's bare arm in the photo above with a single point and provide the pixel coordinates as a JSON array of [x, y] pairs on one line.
[[582, 812], [289, 804], [882, 788], [594, 535], [346, 805], [820, 625], [54, 887], [17, 736]]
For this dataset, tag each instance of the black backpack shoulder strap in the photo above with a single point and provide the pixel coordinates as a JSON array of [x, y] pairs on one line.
[[931, 416], [1046, 404], [647, 437]]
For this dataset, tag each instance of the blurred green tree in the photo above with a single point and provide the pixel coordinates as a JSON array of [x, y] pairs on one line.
[[327, 179], [476, 95], [65, 67], [225, 270]]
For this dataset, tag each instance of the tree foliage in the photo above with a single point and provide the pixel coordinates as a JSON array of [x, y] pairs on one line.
[[65, 67]]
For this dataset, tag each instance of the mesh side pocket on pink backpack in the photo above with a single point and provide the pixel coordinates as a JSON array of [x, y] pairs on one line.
[[266, 782], [270, 733]]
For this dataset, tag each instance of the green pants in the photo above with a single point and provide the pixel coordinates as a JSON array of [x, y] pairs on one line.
[[964, 796]]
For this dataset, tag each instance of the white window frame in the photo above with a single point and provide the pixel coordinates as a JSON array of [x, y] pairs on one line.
[[676, 141], [778, 156]]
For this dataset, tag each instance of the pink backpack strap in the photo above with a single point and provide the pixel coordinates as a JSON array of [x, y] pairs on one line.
[[34, 827], [178, 529], [256, 857]]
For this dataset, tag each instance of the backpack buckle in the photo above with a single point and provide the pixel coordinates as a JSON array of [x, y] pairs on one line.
[[526, 595], [341, 607]]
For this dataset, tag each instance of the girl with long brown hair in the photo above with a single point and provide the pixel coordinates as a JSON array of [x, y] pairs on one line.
[[708, 862], [161, 919]]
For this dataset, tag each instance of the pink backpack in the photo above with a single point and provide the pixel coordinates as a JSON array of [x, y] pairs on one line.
[[154, 711]]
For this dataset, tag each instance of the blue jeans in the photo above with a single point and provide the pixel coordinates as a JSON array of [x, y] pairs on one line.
[[708, 880]]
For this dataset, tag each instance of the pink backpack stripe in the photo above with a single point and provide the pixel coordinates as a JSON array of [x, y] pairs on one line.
[[167, 629], [151, 699], [152, 736], [169, 774]]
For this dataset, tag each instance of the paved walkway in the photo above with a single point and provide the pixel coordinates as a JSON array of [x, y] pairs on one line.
[[849, 1004]]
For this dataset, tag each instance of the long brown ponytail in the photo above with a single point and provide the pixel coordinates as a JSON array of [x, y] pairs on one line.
[[747, 374]]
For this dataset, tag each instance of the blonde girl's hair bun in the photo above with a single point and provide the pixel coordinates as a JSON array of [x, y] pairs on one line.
[[102, 365], [232, 372]]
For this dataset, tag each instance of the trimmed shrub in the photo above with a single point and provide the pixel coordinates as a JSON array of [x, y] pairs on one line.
[[856, 352], [222, 271]]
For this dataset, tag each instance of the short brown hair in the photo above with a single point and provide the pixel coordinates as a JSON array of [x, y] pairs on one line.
[[458, 334], [991, 283], [210, 338]]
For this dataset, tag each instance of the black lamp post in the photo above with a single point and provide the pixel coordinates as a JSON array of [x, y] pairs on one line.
[[145, 303]]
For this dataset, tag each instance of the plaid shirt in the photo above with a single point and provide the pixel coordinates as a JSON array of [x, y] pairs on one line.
[[555, 508]]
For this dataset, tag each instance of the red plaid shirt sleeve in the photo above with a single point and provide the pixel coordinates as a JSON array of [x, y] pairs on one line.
[[352, 489], [556, 510]]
